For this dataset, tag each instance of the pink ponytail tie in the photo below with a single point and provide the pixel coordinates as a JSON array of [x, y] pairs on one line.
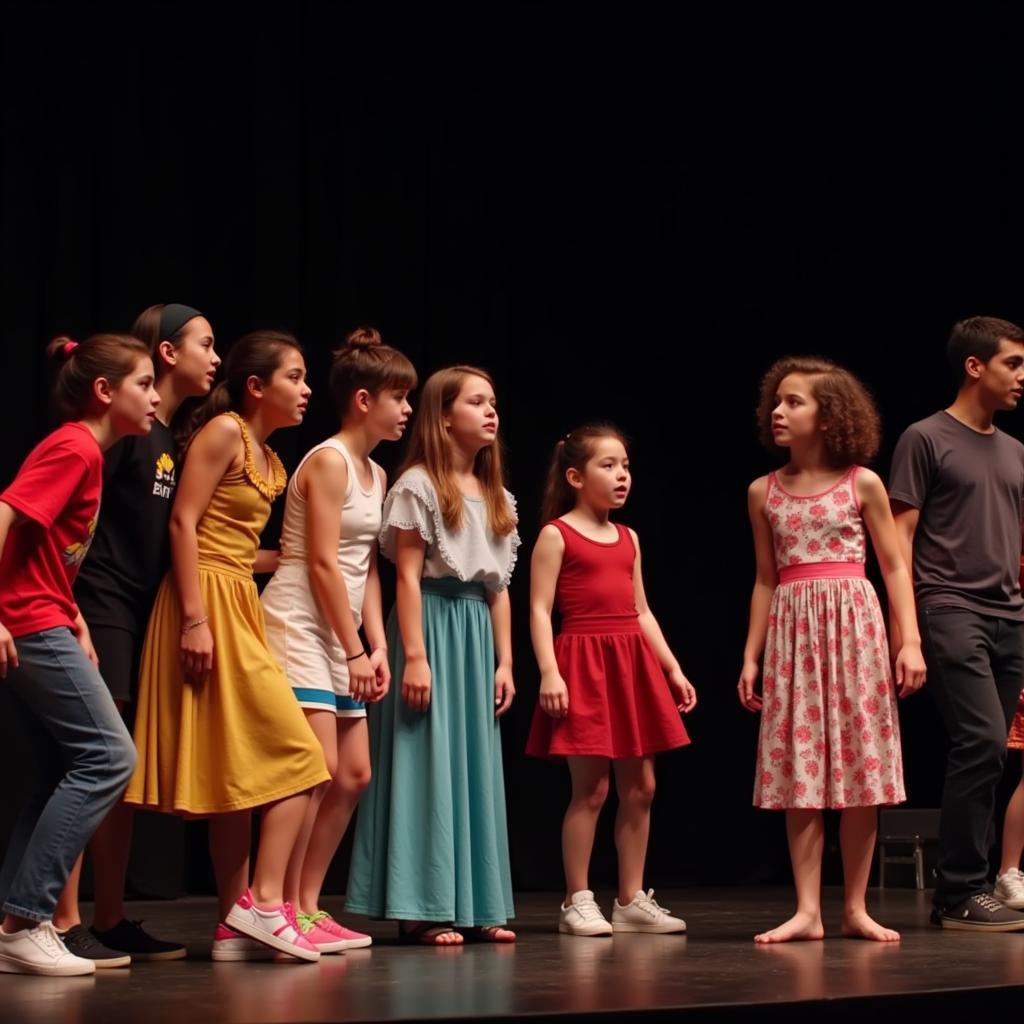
[[69, 347]]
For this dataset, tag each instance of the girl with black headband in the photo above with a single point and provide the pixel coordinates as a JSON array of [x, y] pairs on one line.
[[116, 589]]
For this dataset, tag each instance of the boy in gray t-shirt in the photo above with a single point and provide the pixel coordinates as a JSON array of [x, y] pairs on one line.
[[957, 488]]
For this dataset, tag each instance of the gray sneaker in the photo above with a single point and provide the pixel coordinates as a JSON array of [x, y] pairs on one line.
[[981, 912], [83, 943]]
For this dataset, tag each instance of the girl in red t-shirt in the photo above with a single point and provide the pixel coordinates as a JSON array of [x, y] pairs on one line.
[[47, 520], [610, 690]]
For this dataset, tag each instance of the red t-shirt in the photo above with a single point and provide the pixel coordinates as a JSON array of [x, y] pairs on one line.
[[58, 490]]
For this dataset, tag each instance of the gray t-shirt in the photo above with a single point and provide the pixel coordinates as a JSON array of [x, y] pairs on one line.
[[969, 488]]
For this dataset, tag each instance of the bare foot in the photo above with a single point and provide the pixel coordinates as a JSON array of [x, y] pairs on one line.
[[489, 933], [801, 927], [426, 933], [858, 925]]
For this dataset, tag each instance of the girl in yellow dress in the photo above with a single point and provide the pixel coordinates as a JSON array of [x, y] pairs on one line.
[[218, 730]]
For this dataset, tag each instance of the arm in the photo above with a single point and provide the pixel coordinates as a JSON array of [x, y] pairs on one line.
[[326, 481], [8, 652], [410, 551], [267, 561], [765, 582], [545, 566], [373, 619], [501, 623], [210, 455], [905, 518], [874, 507], [682, 689]]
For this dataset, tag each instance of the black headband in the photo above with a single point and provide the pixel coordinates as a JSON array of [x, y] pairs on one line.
[[173, 317]]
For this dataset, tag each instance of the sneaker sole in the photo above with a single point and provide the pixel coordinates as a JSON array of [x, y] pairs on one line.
[[649, 929], [331, 948], [954, 925], [362, 943], [171, 954], [604, 933], [241, 923], [235, 956], [108, 962], [10, 965]]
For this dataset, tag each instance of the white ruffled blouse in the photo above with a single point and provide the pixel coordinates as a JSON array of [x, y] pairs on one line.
[[473, 554]]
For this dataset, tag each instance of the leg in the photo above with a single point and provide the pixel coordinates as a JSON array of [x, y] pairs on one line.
[[230, 844], [1013, 830], [857, 830], [64, 692], [805, 830], [110, 848], [350, 777], [67, 913], [634, 781], [324, 728], [589, 791], [279, 829], [960, 647]]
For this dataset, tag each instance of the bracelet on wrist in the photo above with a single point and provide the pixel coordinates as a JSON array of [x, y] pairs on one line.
[[192, 625], [360, 654]]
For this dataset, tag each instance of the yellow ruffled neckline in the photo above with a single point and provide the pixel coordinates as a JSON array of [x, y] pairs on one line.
[[270, 490]]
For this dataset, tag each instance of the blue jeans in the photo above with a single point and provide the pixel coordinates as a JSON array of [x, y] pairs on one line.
[[86, 758]]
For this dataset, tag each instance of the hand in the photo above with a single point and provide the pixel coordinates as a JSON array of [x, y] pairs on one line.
[[554, 695], [682, 689], [196, 651], [416, 683], [8, 652], [84, 638], [379, 661], [504, 689], [361, 678], [748, 679], [910, 669]]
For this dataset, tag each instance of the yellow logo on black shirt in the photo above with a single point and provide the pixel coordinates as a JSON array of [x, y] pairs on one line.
[[163, 485]]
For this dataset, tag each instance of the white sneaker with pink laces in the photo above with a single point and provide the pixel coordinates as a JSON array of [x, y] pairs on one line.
[[338, 932], [276, 927]]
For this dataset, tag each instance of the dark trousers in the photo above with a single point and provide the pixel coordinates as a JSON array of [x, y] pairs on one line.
[[975, 674]]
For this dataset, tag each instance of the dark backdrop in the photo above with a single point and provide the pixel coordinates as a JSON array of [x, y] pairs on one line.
[[623, 210]]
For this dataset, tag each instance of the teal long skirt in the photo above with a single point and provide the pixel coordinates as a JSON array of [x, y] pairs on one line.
[[431, 841]]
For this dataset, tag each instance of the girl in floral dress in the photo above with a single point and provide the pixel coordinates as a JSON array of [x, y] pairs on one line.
[[829, 729]]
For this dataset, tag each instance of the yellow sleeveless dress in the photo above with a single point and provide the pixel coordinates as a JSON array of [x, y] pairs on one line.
[[239, 739]]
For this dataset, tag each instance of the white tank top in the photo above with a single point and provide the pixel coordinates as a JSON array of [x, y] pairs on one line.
[[360, 525]]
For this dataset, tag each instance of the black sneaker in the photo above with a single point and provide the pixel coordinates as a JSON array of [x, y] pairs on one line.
[[130, 937], [981, 912], [79, 942]]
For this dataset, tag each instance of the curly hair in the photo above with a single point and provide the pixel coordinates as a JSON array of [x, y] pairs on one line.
[[854, 427]]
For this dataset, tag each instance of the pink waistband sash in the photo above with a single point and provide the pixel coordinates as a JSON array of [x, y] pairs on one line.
[[821, 571]]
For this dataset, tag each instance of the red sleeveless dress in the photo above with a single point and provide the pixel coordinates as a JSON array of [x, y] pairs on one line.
[[620, 704]]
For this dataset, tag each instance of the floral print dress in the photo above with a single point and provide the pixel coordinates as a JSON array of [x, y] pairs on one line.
[[829, 728]]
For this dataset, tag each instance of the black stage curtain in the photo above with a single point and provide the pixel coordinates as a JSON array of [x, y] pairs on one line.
[[624, 211]]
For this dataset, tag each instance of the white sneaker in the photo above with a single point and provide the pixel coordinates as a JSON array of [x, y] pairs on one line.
[[643, 914], [277, 927], [39, 951], [583, 916], [229, 945], [1009, 889]]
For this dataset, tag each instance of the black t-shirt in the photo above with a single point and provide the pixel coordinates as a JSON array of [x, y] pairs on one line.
[[130, 552]]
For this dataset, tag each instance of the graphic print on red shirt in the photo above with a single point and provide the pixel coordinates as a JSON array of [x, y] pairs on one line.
[[57, 491]]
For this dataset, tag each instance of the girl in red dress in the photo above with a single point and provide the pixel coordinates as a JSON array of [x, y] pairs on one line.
[[611, 690]]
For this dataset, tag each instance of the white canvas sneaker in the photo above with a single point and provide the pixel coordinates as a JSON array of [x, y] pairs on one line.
[[39, 951], [643, 914], [1009, 889], [583, 916]]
